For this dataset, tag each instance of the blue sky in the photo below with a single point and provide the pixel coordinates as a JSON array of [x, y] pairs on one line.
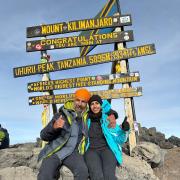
[[153, 22]]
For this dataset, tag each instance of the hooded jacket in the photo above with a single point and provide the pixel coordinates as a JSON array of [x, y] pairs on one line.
[[115, 137], [62, 141], [4, 138]]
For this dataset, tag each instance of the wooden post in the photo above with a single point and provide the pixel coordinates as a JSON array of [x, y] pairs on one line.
[[123, 67], [46, 107], [128, 106], [46, 111]]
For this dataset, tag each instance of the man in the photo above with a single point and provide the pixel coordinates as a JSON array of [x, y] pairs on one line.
[[66, 134]]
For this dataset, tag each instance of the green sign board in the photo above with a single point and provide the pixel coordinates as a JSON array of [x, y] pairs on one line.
[[78, 25], [105, 94], [83, 82], [78, 41], [84, 61]]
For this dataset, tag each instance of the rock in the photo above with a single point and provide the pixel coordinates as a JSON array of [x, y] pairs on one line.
[[25, 145], [166, 145], [159, 137], [151, 135], [131, 169], [20, 156], [174, 140], [17, 173], [38, 142], [149, 152], [134, 168], [171, 168], [21, 163], [152, 131], [147, 134], [66, 174]]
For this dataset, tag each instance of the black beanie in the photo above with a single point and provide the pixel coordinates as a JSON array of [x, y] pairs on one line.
[[95, 98]]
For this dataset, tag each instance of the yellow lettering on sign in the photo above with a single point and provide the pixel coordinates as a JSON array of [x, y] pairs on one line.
[[94, 59], [86, 43], [82, 24], [38, 88], [80, 79], [43, 42], [72, 63], [51, 29], [94, 23], [69, 25], [143, 50], [25, 70], [80, 84], [50, 67], [83, 40], [40, 67], [148, 49], [63, 86], [72, 26], [134, 52], [87, 24]]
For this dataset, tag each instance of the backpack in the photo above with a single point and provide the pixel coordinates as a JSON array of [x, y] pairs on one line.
[[4, 138], [2, 135]]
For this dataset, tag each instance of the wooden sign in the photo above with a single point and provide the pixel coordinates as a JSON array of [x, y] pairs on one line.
[[84, 61], [105, 94], [78, 25], [78, 41], [83, 82]]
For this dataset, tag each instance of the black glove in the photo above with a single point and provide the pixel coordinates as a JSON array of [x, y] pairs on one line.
[[125, 124]]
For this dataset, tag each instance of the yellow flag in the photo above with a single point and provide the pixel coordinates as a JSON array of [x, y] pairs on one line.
[[118, 68], [44, 118]]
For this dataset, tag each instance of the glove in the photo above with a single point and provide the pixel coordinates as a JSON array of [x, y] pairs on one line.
[[125, 124]]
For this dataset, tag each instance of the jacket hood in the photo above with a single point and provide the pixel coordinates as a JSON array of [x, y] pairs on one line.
[[69, 105]]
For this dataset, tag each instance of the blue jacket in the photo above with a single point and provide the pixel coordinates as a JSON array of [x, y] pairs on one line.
[[115, 137]]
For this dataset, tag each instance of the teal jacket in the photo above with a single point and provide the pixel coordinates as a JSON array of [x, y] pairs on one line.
[[115, 137]]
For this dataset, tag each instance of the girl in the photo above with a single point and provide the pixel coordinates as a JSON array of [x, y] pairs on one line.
[[103, 150]]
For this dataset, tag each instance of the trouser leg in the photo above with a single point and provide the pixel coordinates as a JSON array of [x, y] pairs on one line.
[[109, 164], [94, 165], [75, 162], [49, 169]]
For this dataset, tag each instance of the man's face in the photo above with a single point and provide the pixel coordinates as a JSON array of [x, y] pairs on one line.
[[79, 105]]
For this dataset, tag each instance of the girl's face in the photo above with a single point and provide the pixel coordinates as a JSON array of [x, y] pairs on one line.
[[95, 107]]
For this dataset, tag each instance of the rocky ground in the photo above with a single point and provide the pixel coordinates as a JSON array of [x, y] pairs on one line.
[[154, 158], [20, 163], [171, 168]]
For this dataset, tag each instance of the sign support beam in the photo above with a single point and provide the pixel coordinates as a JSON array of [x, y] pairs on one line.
[[128, 102]]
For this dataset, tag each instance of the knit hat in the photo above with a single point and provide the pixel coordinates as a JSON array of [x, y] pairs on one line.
[[95, 98], [83, 94]]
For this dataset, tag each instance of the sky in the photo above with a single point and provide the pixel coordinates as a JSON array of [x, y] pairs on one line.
[[152, 22]]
